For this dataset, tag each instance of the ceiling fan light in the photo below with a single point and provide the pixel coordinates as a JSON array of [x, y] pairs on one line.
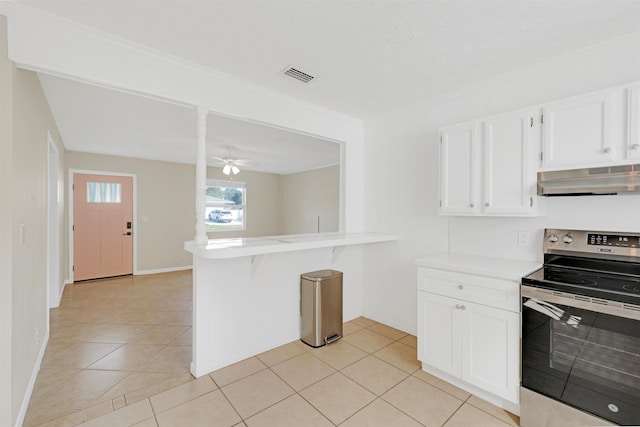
[[227, 169], [234, 169]]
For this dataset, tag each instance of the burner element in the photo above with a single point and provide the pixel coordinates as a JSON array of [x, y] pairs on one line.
[[570, 277], [632, 288]]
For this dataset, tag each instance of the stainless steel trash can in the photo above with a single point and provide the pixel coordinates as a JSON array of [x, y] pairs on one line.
[[321, 307]]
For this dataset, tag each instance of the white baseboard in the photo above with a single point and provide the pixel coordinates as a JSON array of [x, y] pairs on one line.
[[409, 329], [61, 291], [163, 270], [32, 382]]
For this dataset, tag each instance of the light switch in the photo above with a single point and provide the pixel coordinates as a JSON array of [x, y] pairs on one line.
[[523, 238]]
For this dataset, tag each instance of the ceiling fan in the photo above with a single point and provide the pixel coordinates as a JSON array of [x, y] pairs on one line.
[[231, 164]]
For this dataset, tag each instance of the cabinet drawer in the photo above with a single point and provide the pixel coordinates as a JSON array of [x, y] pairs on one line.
[[492, 292]]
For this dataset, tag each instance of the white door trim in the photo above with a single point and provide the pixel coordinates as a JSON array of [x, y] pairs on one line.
[[53, 225], [72, 172]]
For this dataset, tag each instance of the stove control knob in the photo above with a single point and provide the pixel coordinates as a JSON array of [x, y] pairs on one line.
[[568, 238], [553, 238]]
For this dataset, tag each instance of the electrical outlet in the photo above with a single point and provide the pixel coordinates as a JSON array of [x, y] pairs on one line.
[[523, 238]]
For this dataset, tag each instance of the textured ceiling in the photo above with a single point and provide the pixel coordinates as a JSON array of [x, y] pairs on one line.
[[368, 58], [98, 120]]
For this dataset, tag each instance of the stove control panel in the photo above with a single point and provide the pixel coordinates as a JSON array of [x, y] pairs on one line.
[[625, 241], [592, 242]]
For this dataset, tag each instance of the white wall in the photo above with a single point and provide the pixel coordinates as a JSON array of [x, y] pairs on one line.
[[41, 41], [311, 201], [401, 172]]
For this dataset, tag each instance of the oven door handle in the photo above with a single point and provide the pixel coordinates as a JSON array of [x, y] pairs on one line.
[[542, 307], [553, 312], [613, 308]]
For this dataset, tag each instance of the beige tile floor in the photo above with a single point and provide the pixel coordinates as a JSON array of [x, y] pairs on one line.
[[119, 355]]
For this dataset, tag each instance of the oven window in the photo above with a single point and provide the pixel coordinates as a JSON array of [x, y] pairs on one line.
[[586, 359]]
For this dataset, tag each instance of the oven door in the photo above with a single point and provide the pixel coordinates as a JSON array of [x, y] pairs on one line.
[[582, 353]]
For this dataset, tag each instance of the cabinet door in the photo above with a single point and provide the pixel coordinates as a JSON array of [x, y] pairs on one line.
[[509, 175], [458, 163], [490, 345], [578, 131], [439, 332], [633, 144]]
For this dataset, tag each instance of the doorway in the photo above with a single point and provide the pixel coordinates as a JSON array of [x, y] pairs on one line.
[[102, 225], [53, 226]]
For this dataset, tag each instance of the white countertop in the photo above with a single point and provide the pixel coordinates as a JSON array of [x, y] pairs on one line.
[[501, 268], [252, 246]]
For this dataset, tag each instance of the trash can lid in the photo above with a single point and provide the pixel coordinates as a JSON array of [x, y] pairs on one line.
[[321, 274]]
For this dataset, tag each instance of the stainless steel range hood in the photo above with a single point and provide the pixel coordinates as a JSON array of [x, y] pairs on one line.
[[582, 182]]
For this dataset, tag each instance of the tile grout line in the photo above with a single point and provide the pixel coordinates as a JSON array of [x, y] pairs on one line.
[[372, 325]]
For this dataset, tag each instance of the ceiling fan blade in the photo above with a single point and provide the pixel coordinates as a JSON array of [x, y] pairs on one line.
[[218, 158]]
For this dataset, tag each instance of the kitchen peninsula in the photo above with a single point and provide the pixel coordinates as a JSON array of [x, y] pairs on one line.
[[246, 294]]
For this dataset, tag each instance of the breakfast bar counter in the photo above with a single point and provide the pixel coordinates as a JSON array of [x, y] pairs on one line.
[[246, 291]]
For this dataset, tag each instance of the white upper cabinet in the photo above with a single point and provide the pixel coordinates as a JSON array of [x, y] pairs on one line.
[[487, 166], [579, 131], [458, 164], [633, 140], [509, 172]]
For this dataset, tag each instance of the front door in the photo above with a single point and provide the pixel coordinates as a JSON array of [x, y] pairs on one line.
[[103, 226]]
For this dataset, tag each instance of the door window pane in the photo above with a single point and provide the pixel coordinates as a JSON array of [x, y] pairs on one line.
[[104, 192]]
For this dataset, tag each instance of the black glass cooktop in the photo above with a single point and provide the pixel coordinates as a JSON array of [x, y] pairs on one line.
[[594, 278]]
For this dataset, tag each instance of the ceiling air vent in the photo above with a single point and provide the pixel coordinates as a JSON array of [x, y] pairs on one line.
[[298, 75]]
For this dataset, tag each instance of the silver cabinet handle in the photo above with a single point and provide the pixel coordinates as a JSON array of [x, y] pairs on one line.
[[460, 287], [635, 147], [460, 307], [471, 205], [486, 205], [530, 202], [606, 150]]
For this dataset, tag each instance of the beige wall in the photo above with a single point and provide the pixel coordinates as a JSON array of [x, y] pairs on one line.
[[262, 201], [28, 200], [311, 198], [6, 226], [166, 197]]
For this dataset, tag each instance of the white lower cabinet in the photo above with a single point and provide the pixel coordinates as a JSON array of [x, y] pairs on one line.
[[491, 350], [439, 333], [473, 342]]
